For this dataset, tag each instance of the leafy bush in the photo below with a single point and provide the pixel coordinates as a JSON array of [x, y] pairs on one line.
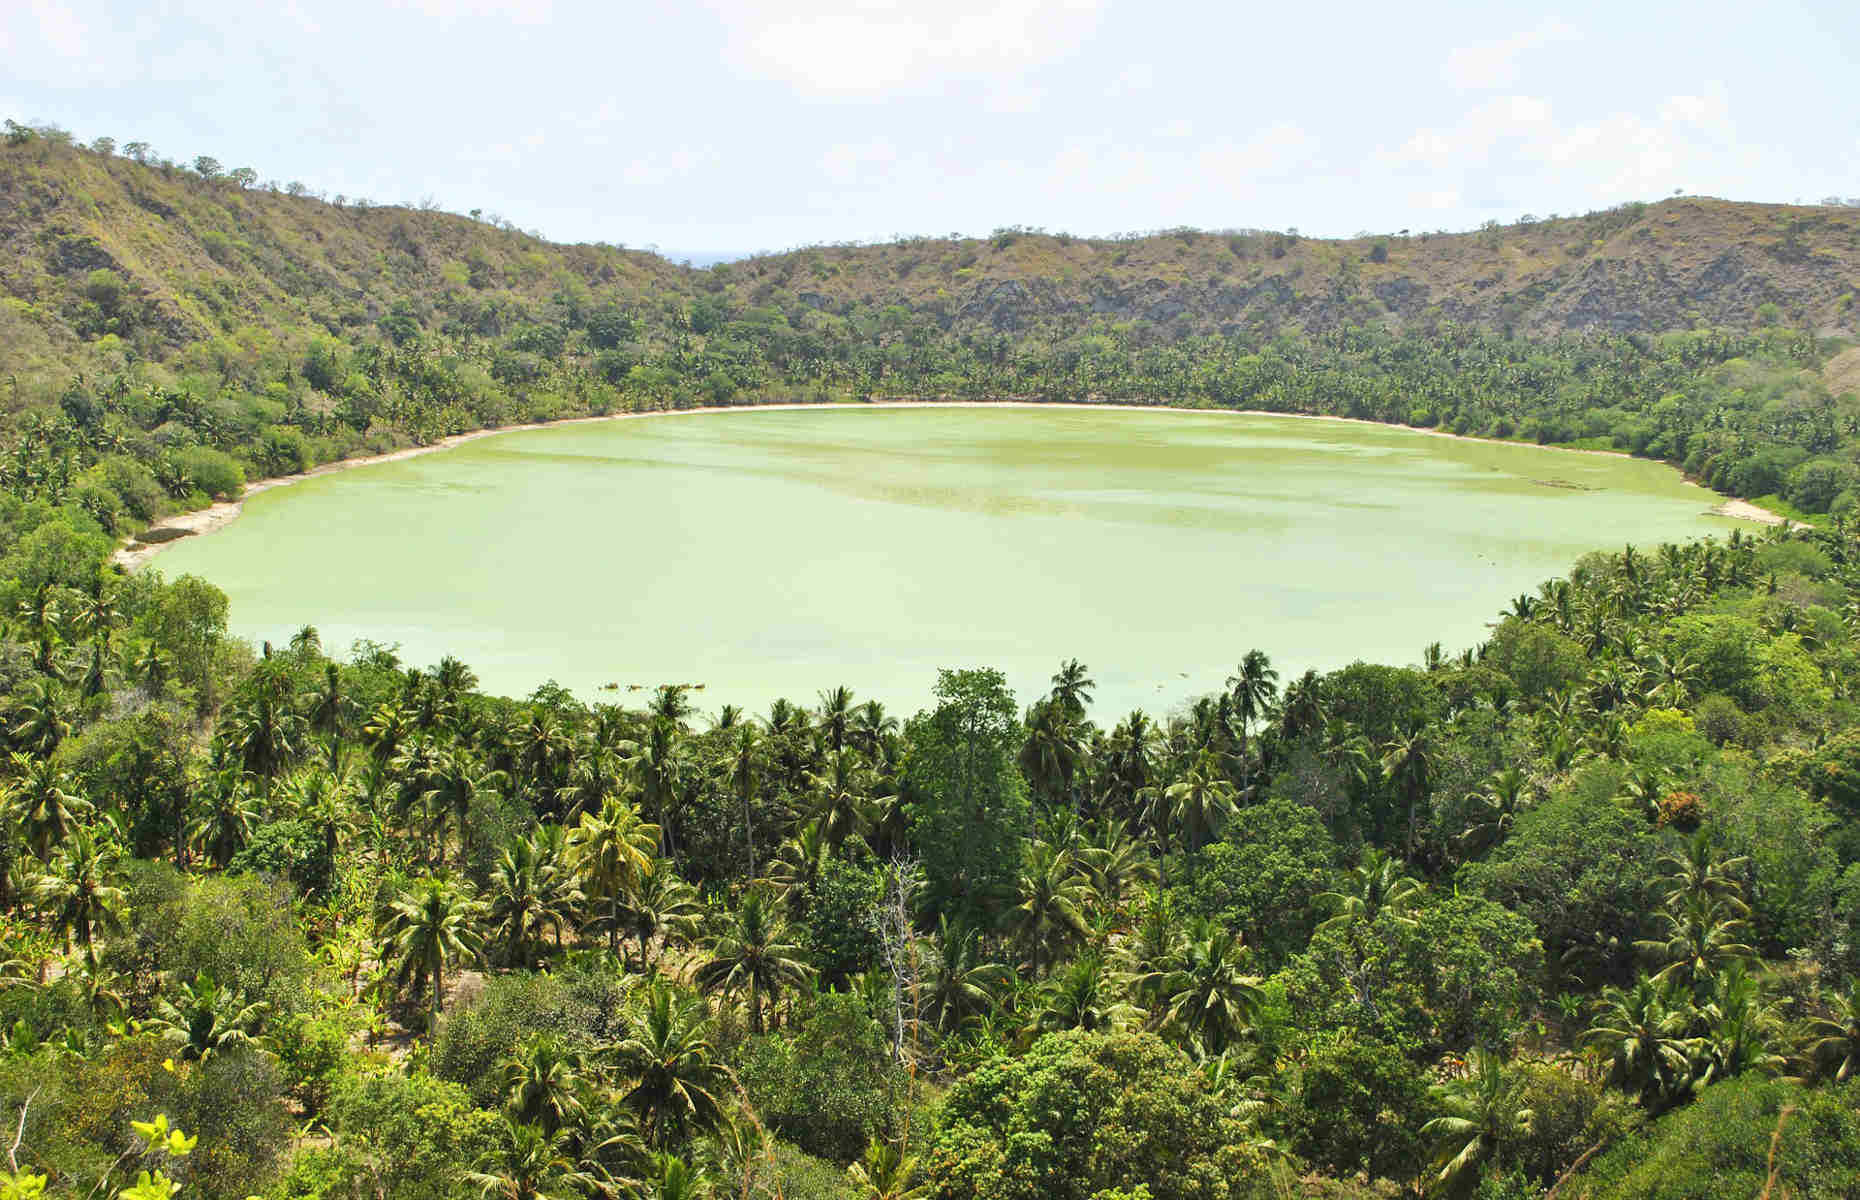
[[211, 471], [475, 1038], [1357, 1105], [1082, 1113], [827, 1084], [1720, 1146]]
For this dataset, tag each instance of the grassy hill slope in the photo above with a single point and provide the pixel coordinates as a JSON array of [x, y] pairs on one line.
[[193, 258]]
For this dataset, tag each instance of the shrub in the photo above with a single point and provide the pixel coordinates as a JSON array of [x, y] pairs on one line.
[[828, 1085], [1721, 1146], [418, 1134], [1357, 1105], [476, 1037], [1081, 1113], [211, 471], [1539, 659]]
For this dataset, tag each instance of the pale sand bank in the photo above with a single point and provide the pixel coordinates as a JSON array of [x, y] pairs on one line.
[[218, 515]]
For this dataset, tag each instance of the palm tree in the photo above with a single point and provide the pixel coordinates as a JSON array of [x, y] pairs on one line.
[[1128, 770], [657, 908], [888, 1172], [676, 1076], [263, 734], [152, 668], [1200, 804], [1481, 1117], [1644, 788], [528, 1164], [836, 716], [1834, 1040], [329, 713], [1643, 1033], [799, 862], [1254, 685], [670, 1177], [841, 792], [1407, 762], [1494, 807], [223, 823], [1210, 999], [45, 803], [432, 927], [1150, 954], [660, 767], [1116, 864], [453, 681], [545, 1084], [1697, 871], [1671, 678], [1050, 917], [541, 748], [609, 851], [201, 1018], [1739, 1027], [1084, 996], [753, 953], [319, 797], [1051, 756], [1376, 883], [454, 787], [41, 615], [1072, 687], [41, 717], [388, 725], [959, 984], [745, 770], [78, 895], [1702, 938], [671, 703], [872, 732], [528, 891]]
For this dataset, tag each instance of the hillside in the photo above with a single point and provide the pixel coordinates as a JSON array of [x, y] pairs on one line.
[[195, 258]]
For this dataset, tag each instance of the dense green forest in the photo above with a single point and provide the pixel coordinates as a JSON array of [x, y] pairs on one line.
[[1573, 911]]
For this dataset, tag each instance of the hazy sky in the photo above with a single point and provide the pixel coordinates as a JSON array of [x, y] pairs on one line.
[[751, 124]]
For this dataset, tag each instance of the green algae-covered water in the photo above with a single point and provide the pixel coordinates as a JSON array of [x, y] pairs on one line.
[[777, 553]]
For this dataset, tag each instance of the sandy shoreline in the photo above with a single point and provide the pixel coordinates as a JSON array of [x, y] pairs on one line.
[[220, 514]]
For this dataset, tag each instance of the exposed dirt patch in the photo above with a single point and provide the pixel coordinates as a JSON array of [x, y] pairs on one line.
[[1842, 373]]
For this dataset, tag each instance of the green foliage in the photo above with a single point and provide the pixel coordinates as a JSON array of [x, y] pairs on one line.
[[1263, 876], [474, 1040], [828, 1083], [1357, 1105], [411, 1135], [209, 471], [1539, 660], [1081, 1113], [1582, 870], [1449, 973], [291, 850], [967, 800], [1721, 1146], [840, 930]]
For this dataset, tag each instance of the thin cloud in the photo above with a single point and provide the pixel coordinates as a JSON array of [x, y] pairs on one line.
[[845, 48], [1487, 65]]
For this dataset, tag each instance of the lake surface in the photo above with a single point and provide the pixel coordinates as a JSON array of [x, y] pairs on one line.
[[777, 553]]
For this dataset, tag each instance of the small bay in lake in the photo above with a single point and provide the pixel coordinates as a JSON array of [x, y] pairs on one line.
[[778, 553]]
